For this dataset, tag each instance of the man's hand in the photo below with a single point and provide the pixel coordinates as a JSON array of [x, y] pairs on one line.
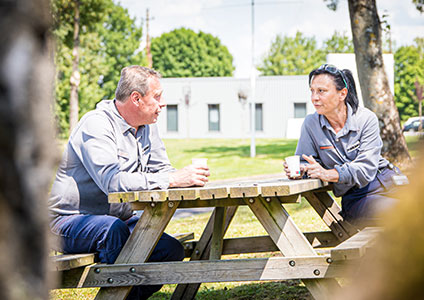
[[191, 175], [315, 170]]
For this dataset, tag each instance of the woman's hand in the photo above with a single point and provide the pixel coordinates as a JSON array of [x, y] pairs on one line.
[[315, 170], [287, 171]]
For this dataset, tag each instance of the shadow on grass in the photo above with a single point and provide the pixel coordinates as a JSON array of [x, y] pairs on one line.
[[274, 150], [286, 290]]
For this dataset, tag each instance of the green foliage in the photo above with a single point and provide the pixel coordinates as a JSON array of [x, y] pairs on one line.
[[338, 43], [299, 55], [419, 4], [109, 40], [409, 67], [292, 56], [184, 53]]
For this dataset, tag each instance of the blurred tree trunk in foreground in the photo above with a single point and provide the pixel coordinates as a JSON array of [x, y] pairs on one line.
[[26, 161], [366, 32]]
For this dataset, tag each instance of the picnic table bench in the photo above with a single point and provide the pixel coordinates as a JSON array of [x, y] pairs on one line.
[[267, 199]]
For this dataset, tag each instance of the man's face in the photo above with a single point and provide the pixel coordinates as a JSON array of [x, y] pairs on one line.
[[151, 104]]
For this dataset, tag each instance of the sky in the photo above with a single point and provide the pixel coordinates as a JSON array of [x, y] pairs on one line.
[[231, 22]]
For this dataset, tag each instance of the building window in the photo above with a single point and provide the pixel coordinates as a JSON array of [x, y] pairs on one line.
[[172, 117], [299, 110], [258, 117], [213, 117]]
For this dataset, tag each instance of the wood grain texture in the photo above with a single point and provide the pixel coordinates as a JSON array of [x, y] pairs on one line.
[[195, 272], [356, 246]]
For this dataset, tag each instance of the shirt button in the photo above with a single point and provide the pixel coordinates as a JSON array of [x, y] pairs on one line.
[[337, 140]]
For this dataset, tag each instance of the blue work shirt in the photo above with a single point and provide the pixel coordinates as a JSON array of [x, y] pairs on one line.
[[105, 154], [355, 151]]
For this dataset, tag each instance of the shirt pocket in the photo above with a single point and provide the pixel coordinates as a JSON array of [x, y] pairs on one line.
[[353, 149]]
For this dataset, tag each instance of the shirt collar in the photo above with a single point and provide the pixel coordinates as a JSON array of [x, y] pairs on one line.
[[119, 119]]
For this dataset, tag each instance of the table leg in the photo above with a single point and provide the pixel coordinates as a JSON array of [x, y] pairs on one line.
[[141, 243], [289, 239], [203, 248], [328, 209], [218, 233]]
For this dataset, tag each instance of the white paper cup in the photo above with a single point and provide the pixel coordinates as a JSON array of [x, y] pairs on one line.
[[200, 162], [293, 163]]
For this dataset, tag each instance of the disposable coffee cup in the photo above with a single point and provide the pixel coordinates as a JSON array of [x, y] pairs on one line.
[[199, 162], [293, 162]]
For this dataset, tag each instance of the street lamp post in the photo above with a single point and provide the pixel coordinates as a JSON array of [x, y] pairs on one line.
[[252, 87]]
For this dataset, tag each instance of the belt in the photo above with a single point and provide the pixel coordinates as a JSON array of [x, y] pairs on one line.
[[389, 166]]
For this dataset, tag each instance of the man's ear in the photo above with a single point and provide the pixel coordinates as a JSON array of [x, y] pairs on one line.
[[135, 97]]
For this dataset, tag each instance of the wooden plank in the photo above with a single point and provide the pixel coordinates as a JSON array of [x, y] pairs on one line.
[[211, 203], [182, 237], [235, 189], [258, 244], [329, 211], [141, 243], [183, 194], [322, 239], [244, 191], [142, 196], [213, 193], [218, 233], [356, 246], [290, 187], [71, 261], [280, 227], [196, 272]]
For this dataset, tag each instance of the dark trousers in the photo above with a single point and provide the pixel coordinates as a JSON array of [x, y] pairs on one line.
[[106, 235], [362, 205]]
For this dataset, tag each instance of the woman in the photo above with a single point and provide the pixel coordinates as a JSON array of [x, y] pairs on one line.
[[341, 144]]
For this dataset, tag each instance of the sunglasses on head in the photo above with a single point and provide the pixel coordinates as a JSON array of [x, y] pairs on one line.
[[334, 70]]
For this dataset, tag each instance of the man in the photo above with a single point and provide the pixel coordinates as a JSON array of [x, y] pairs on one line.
[[116, 147]]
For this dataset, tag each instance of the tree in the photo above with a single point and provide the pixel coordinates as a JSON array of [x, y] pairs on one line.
[[76, 14], [338, 43], [107, 44], [26, 154], [184, 53], [120, 39], [292, 56], [366, 32], [409, 68]]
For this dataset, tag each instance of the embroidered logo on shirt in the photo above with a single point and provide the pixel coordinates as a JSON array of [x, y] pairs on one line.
[[326, 147], [123, 154], [354, 146]]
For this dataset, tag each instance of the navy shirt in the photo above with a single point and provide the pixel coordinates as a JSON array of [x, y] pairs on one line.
[[355, 151], [105, 154]]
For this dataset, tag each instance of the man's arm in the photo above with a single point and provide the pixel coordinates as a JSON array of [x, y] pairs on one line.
[[110, 165]]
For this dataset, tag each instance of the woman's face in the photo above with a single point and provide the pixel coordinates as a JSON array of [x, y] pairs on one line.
[[325, 97]]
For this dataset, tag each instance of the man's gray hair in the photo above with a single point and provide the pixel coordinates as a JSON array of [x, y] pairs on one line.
[[134, 78]]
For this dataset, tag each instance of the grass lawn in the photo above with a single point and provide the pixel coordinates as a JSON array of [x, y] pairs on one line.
[[230, 159]]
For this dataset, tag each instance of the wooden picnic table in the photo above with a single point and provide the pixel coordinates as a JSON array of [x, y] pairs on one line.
[[267, 199]]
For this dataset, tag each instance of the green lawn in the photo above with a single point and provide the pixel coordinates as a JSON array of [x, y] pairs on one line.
[[230, 159]]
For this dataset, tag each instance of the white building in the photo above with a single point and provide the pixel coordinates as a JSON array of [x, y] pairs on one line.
[[219, 107]]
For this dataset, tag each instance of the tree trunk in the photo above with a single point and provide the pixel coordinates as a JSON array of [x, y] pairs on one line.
[[75, 76], [26, 139], [366, 32]]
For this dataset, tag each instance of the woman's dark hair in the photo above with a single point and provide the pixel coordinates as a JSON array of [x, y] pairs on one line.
[[342, 79]]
